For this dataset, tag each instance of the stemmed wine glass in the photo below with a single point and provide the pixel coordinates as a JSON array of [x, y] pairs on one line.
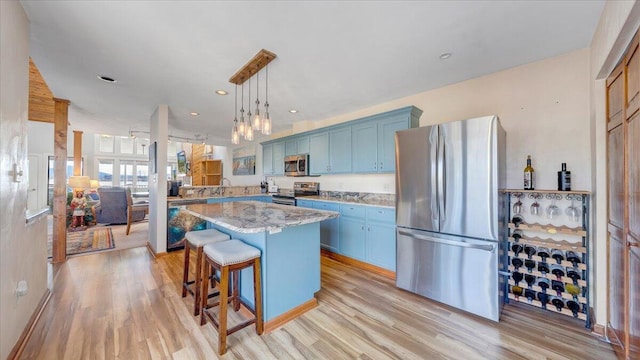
[[553, 210], [573, 212], [535, 207], [517, 206]]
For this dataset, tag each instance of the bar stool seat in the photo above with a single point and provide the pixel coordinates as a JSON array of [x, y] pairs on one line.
[[231, 257], [196, 240]]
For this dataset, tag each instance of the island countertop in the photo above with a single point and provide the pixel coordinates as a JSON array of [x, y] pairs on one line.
[[255, 216]]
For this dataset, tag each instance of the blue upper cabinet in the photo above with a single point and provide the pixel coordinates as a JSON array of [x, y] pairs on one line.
[[364, 145], [319, 153], [330, 152], [278, 158], [267, 159]]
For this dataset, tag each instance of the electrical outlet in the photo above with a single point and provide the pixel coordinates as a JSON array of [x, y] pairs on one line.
[[22, 289]]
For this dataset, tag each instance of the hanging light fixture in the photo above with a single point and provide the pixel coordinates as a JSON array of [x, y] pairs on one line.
[[256, 118], [235, 133], [242, 127], [249, 130], [257, 123], [266, 120]]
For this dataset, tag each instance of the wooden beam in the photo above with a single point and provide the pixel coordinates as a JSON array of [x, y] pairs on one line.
[[260, 60], [59, 245], [77, 153], [41, 104]]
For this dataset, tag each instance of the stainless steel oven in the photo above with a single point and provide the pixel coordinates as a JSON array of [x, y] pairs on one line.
[[283, 200], [296, 165], [300, 189]]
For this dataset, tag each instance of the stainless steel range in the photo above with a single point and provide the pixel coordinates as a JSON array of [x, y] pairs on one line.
[[288, 196]]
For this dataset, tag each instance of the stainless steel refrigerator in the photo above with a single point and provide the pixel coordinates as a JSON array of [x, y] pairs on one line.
[[450, 214]]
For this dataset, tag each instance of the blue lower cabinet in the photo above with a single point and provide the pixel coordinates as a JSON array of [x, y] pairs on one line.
[[353, 236], [381, 245], [329, 229]]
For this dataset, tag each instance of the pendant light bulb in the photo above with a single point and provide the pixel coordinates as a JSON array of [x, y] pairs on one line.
[[266, 120], [266, 124], [242, 127], [249, 133], [256, 119], [235, 135]]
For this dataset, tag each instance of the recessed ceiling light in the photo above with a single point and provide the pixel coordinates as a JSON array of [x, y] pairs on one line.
[[445, 56], [106, 79], [194, 113], [221, 92], [293, 111]]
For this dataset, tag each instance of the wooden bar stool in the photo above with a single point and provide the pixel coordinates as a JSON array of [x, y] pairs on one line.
[[231, 256], [196, 240]]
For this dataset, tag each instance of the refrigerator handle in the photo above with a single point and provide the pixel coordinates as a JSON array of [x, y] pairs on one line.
[[448, 242], [433, 140], [441, 179]]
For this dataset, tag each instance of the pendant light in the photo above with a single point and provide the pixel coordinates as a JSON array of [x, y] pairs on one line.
[[266, 120], [235, 134], [256, 118], [242, 127], [249, 130]]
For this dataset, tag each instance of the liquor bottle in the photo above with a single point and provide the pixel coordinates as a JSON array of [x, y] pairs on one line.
[[564, 179], [529, 177]]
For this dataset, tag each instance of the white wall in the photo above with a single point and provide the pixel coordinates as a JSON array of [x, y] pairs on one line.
[[23, 249], [617, 25]]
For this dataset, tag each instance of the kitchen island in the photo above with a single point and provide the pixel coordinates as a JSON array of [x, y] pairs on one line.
[[289, 239]]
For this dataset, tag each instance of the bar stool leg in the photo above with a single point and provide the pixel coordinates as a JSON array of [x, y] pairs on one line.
[[198, 272], [234, 291], [222, 318], [206, 273], [257, 295], [185, 276]]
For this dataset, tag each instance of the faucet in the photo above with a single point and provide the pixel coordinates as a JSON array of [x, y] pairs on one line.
[[222, 181]]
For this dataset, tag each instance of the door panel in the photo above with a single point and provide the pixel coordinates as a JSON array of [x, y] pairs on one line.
[[278, 158], [364, 148], [633, 79], [470, 201], [319, 153], [381, 245], [33, 196], [616, 283], [340, 151], [386, 144], [353, 238], [634, 300], [634, 175], [615, 157], [416, 194]]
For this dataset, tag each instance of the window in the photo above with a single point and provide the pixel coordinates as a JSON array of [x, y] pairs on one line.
[[50, 175], [106, 144], [126, 145], [142, 146], [126, 173], [105, 172], [142, 175]]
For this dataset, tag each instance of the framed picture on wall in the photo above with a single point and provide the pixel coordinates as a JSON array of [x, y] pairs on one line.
[[153, 166]]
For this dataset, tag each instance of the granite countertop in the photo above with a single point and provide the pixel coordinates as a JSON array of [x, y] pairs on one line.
[[196, 199], [357, 201], [256, 216]]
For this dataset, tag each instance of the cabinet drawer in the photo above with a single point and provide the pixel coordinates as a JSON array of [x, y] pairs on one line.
[[326, 206], [304, 203], [381, 215], [352, 211]]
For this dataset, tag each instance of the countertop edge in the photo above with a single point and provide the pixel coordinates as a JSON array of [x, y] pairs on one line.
[[343, 201], [31, 216]]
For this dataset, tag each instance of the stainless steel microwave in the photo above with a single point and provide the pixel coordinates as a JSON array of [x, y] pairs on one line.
[[296, 165]]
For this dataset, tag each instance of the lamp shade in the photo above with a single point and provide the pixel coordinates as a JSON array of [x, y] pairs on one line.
[[95, 184], [79, 182]]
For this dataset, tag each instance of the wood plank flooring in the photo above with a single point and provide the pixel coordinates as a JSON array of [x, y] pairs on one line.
[[126, 305]]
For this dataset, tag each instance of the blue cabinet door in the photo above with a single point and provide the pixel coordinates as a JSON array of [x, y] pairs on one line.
[[303, 144], [364, 147], [387, 143], [340, 151], [267, 159], [353, 238], [291, 147], [278, 158], [319, 153], [381, 245], [329, 229]]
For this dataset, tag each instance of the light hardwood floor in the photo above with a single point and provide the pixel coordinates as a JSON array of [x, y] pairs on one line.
[[126, 305]]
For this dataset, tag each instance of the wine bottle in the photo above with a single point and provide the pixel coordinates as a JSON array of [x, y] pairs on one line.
[[530, 250], [558, 255], [517, 263], [544, 299], [544, 284], [558, 303], [517, 277], [574, 275], [516, 248], [529, 264], [543, 252], [574, 307], [573, 289], [564, 179], [530, 279], [517, 235], [557, 286], [543, 268], [573, 257], [529, 176]]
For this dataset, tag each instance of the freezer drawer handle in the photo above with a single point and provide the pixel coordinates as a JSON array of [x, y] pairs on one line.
[[448, 242]]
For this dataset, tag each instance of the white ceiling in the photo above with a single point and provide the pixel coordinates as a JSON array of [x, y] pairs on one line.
[[333, 56]]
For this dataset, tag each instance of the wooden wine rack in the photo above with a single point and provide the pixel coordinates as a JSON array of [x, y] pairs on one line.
[[531, 232]]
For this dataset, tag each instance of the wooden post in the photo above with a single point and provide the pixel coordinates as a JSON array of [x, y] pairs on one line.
[[59, 245], [77, 153]]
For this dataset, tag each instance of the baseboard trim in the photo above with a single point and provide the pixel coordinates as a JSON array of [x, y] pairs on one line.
[[153, 253], [359, 264], [599, 330], [282, 319], [18, 348]]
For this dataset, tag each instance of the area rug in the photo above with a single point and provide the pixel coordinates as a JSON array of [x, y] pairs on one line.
[[80, 242]]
